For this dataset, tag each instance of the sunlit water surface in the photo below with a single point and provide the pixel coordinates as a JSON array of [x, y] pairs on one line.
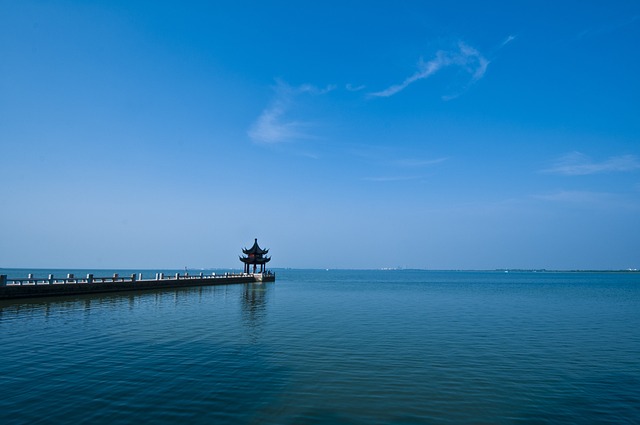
[[321, 347]]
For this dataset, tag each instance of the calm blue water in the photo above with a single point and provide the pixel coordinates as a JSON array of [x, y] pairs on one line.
[[325, 347]]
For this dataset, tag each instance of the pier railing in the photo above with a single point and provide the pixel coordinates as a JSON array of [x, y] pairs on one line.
[[91, 279]]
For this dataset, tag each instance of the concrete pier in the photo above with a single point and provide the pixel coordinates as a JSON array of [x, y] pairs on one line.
[[31, 287]]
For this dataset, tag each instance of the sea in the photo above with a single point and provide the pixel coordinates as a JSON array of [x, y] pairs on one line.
[[330, 347]]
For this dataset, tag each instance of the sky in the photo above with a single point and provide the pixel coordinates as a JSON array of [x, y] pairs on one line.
[[341, 134]]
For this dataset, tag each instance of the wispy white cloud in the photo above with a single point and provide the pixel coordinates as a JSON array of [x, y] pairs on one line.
[[274, 125], [465, 57], [617, 201], [392, 155], [397, 170], [574, 196], [508, 40], [351, 87], [578, 164]]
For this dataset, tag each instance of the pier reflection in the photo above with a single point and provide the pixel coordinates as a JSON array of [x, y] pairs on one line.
[[86, 303], [251, 298], [254, 307]]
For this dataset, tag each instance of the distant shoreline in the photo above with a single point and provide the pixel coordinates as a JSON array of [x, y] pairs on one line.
[[230, 269]]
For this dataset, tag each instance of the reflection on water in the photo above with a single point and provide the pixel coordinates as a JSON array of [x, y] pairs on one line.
[[254, 307], [163, 356], [250, 299], [254, 302]]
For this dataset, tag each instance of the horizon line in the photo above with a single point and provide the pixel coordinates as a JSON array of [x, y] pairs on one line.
[[193, 269]]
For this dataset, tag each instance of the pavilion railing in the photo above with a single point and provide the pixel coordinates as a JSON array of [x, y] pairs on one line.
[[91, 279]]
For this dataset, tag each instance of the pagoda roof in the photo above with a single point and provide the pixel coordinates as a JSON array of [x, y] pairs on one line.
[[255, 260], [255, 249]]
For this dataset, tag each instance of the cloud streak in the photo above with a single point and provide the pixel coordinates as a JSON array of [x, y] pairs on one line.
[[574, 197], [274, 124], [590, 199], [351, 87], [507, 40], [465, 57], [578, 164]]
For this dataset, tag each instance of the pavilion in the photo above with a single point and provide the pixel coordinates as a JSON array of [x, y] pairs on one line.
[[256, 257]]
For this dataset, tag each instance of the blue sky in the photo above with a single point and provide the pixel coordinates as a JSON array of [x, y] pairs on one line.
[[351, 134]]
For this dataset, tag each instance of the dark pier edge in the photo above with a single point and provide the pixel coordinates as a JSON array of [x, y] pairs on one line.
[[34, 288], [30, 287]]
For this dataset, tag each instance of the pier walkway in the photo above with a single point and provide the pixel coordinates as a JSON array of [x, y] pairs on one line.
[[31, 287]]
